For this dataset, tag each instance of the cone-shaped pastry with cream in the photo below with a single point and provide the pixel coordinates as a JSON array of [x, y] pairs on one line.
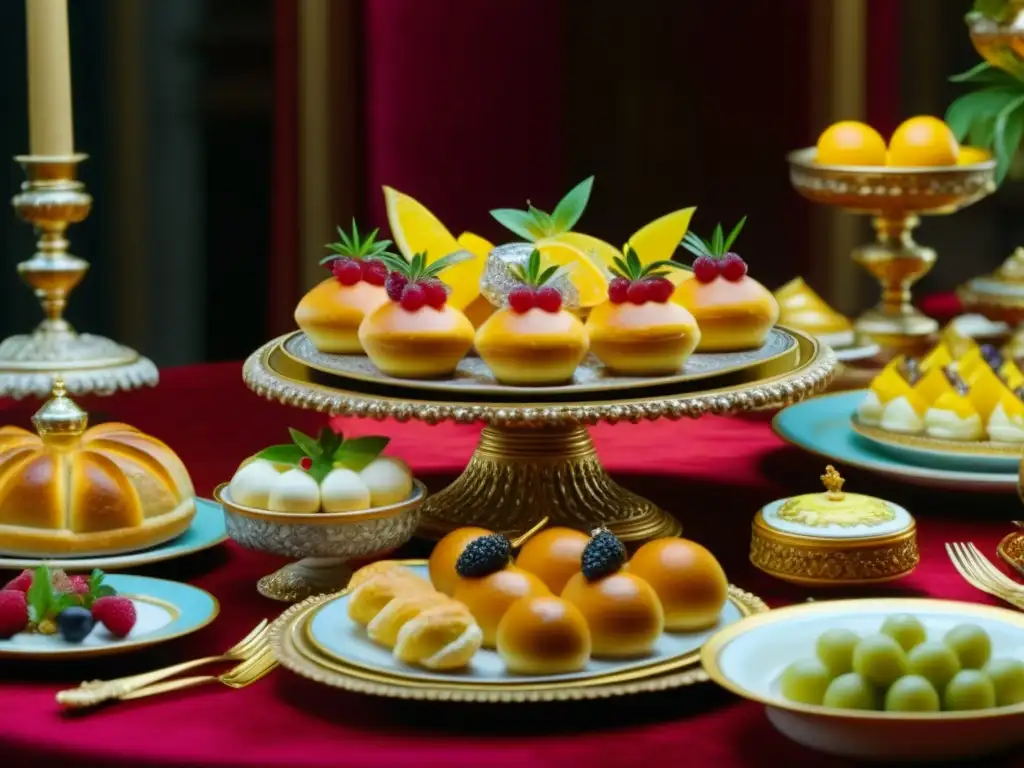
[[734, 311], [1006, 422], [801, 308], [952, 415], [330, 314], [416, 334], [892, 400], [639, 331]]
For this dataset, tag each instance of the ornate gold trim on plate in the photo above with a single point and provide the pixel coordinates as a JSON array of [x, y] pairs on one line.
[[952, 448]]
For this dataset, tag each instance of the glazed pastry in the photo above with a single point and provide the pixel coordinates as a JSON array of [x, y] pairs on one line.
[[553, 556], [446, 554], [622, 611], [533, 340], [688, 580], [488, 597], [385, 626], [71, 491], [371, 570], [953, 417], [734, 311], [1006, 423], [543, 636], [330, 314], [639, 331], [442, 638], [370, 597], [416, 334], [801, 308]]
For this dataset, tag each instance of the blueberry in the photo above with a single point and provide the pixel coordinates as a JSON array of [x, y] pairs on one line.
[[75, 623]]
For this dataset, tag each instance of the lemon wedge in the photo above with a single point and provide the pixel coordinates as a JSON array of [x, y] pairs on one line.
[[658, 240], [475, 244], [590, 281]]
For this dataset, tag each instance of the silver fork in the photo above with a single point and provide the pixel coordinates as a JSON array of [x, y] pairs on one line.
[[978, 578], [988, 567]]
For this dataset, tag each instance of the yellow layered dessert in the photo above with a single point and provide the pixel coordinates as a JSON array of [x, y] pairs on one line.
[[801, 308]]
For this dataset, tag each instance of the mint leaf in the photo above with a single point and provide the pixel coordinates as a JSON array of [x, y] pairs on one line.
[[329, 441], [1009, 130], [320, 468], [633, 262], [104, 590], [519, 222], [309, 446], [733, 235], [570, 208], [67, 600], [984, 74], [40, 595], [981, 105], [356, 453], [282, 454]]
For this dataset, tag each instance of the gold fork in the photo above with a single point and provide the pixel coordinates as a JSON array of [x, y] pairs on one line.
[[985, 565], [246, 673], [980, 579], [95, 692]]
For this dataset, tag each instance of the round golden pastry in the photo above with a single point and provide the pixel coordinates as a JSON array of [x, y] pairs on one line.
[[532, 348], [649, 339], [445, 554], [425, 344], [444, 637], [553, 556], [76, 491], [385, 626], [330, 314], [688, 580], [622, 611], [370, 597], [732, 315], [488, 597], [371, 570], [543, 636]]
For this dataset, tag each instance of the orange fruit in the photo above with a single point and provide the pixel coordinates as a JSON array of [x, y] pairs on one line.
[[923, 142], [849, 142]]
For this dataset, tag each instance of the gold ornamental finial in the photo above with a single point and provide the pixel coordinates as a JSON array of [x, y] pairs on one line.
[[833, 483], [60, 416]]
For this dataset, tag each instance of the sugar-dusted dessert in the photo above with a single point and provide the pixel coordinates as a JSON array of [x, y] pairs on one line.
[[331, 312], [734, 311], [416, 334], [323, 474], [533, 339], [803, 309], [639, 331], [69, 490]]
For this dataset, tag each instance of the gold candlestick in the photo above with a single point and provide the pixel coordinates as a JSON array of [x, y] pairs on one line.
[[52, 199]]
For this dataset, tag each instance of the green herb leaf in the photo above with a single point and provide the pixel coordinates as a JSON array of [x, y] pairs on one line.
[[546, 275], [621, 266], [40, 594], [518, 273], [571, 207], [541, 220], [633, 262], [979, 106], [984, 73], [717, 241], [356, 453], [533, 266], [282, 454], [329, 441], [733, 235], [320, 468], [445, 262], [308, 445], [1009, 129], [663, 265], [519, 222]]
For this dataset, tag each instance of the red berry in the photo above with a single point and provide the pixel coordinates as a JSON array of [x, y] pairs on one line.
[[395, 284], [617, 289], [734, 268], [347, 271], [13, 613], [659, 289], [549, 299], [639, 292], [117, 614], [79, 585], [705, 269], [374, 272], [413, 297], [21, 582], [522, 299], [306, 463], [436, 293]]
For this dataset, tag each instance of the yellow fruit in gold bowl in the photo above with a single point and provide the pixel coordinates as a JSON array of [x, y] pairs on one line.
[[923, 142], [850, 142]]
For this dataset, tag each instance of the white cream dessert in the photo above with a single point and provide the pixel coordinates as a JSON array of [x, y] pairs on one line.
[[904, 414], [1006, 424], [953, 417], [869, 410], [887, 387]]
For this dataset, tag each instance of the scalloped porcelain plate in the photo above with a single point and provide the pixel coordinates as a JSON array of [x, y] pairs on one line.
[[962, 455], [165, 610], [822, 426], [207, 530], [748, 658]]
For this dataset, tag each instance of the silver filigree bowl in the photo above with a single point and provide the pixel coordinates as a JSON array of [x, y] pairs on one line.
[[323, 543]]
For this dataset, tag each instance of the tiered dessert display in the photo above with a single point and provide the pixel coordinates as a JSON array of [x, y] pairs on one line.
[[553, 615], [921, 171], [533, 384]]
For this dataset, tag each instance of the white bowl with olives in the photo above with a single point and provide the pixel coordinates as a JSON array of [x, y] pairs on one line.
[[893, 679]]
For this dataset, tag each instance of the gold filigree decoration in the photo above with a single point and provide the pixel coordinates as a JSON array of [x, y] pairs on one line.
[[835, 507], [833, 483], [842, 565]]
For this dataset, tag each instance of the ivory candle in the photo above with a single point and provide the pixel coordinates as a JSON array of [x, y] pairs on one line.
[[49, 78]]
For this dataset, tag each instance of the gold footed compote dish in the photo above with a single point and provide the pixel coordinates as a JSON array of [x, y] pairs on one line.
[[999, 296], [895, 198], [535, 456]]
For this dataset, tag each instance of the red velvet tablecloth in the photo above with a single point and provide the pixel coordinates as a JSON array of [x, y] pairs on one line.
[[713, 473]]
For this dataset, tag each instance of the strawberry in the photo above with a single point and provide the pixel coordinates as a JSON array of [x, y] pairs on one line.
[[13, 613], [117, 614], [21, 582]]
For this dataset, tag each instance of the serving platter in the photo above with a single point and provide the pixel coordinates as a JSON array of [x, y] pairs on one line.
[[473, 377], [961, 455], [316, 639], [822, 426]]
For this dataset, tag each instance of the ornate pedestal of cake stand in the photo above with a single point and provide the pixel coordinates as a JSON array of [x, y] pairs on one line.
[[535, 457], [895, 197]]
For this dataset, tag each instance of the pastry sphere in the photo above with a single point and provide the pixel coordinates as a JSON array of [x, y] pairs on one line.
[[543, 636], [425, 344], [441, 565], [489, 597], [688, 580], [622, 611], [342, 490], [389, 480], [532, 348], [553, 556], [252, 483], [294, 491]]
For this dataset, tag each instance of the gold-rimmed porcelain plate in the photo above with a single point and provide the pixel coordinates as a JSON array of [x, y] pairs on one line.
[[473, 377], [748, 659], [355, 663], [165, 610]]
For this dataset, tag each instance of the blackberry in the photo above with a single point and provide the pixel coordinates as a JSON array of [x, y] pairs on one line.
[[484, 556], [603, 555]]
